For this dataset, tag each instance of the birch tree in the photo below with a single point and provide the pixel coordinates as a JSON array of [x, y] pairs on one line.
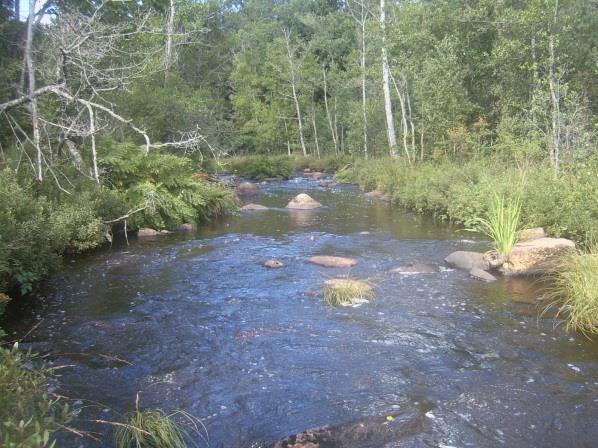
[[390, 127]]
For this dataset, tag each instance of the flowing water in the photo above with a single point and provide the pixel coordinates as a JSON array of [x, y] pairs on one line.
[[193, 321]]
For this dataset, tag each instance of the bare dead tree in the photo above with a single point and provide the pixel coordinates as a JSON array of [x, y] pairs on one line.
[[82, 59]]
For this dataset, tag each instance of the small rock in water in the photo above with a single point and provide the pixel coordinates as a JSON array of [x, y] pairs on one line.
[[247, 189], [273, 264], [253, 207], [467, 260], [333, 262], [303, 202], [151, 232]]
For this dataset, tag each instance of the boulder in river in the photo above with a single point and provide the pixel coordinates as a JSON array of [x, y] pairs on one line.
[[538, 256], [467, 260], [333, 262], [482, 275], [187, 227], [531, 234], [328, 183], [417, 268], [303, 202], [247, 189], [253, 207], [146, 231], [379, 195], [315, 175], [273, 264]]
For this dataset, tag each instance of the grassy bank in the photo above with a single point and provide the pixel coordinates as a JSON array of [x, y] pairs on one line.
[[463, 192]]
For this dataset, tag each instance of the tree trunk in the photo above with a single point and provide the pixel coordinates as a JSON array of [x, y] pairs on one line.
[[555, 94], [290, 54], [328, 116], [363, 89], [169, 35], [313, 121], [390, 127], [92, 131], [31, 89]]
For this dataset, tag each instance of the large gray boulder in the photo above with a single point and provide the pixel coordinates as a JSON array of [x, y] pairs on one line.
[[467, 260], [303, 202], [146, 231], [538, 256]]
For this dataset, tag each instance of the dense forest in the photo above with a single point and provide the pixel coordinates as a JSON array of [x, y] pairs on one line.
[[114, 115]]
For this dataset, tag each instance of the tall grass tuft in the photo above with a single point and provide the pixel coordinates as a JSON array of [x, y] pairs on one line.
[[501, 223], [576, 291], [341, 291], [153, 428]]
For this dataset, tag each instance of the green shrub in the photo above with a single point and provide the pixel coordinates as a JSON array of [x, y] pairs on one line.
[[261, 167], [162, 187], [29, 416]]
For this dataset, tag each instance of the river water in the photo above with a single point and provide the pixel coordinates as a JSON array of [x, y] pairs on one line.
[[193, 321]]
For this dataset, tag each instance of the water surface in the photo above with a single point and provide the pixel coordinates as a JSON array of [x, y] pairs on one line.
[[193, 321]]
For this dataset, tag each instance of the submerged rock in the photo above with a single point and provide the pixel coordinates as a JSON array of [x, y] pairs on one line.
[[333, 262], [539, 256], [247, 189], [145, 231], [328, 183], [303, 202], [482, 275], [253, 207], [187, 227], [315, 175], [368, 432], [273, 264], [417, 268], [376, 194], [532, 234], [467, 260]]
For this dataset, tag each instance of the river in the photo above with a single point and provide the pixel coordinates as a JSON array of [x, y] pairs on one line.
[[194, 321]]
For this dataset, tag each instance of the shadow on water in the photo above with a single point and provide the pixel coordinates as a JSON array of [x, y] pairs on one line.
[[193, 321]]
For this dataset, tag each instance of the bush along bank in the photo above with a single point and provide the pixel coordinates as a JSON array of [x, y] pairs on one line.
[[468, 194], [39, 223]]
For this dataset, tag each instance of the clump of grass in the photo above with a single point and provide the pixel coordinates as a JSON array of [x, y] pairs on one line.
[[501, 223], [154, 428], [343, 291], [576, 290]]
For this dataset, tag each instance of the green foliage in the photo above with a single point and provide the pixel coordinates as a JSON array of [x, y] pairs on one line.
[[462, 192], [261, 167], [35, 230], [575, 289], [29, 416], [156, 429], [502, 222], [161, 187]]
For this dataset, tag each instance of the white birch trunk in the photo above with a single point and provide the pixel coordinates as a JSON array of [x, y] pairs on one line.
[[390, 127], [290, 55]]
